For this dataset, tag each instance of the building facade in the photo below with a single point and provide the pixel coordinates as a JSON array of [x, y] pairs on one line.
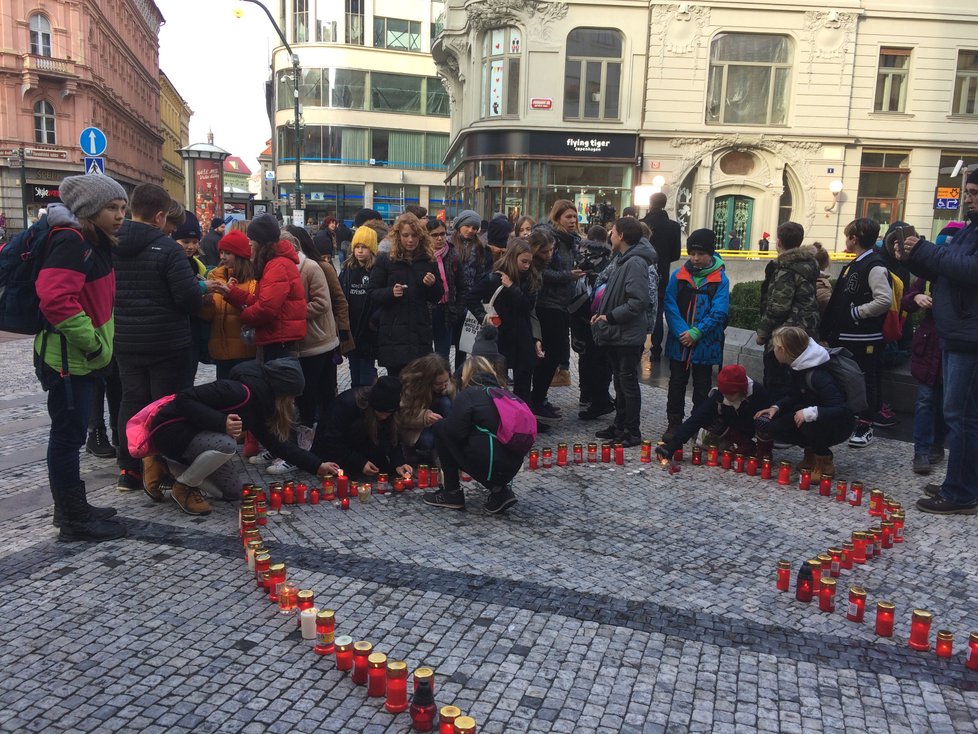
[[374, 115], [745, 115], [66, 66], [175, 116]]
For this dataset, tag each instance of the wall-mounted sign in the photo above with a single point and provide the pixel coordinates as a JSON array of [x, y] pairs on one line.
[[541, 103], [618, 147], [947, 197]]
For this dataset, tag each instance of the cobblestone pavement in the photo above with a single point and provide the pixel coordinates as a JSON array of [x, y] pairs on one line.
[[609, 599]]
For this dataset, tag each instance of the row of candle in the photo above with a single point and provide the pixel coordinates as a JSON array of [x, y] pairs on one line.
[[544, 458], [383, 677]]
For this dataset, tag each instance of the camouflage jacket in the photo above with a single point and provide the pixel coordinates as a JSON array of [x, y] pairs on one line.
[[788, 292]]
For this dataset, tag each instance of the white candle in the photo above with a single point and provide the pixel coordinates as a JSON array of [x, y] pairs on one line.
[[251, 559], [307, 620]]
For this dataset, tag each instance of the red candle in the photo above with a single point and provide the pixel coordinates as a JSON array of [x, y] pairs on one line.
[[784, 575], [446, 719], [840, 491], [858, 547], [396, 687], [972, 660], [261, 511], [423, 477], [345, 503], [876, 502], [464, 725], [342, 486], [803, 584], [920, 622], [325, 631], [646, 456], [592, 453], [619, 454], [361, 651], [875, 542], [945, 643], [766, 469], [856, 494], [606, 453], [562, 454], [887, 534], [825, 560], [739, 464], [898, 520], [382, 484], [424, 673], [752, 466], [784, 473], [825, 485], [711, 456], [344, 652], [329, 489], [262, 562], [726, 459], [304, 599], [276, 579], [847, 550], [314, 496], [805, 479], [816, 567], [423, 709], [835, 567], [857, 604], [548, 458], [826, 595], [300, 493], [697, 456], [275, 500], [884, 618], [677, 455], [288, 495], [578, 453], [398, 485], [376, 674]]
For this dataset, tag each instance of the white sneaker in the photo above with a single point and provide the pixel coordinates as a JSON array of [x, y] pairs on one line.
[[862, 436], [303, 437], [280, 466], [263, 458]]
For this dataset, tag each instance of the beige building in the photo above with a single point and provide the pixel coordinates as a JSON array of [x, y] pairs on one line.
[[746, 115], [175, 116], [374, 115]]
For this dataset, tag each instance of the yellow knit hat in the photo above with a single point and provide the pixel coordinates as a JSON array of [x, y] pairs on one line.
[[365, 236]]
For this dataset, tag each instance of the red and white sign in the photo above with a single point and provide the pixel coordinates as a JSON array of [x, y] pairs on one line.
[[541, 103]]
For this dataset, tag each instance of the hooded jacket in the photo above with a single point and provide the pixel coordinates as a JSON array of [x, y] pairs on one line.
[[341, 311], [697, 301], [626, 299], [277, 309], [716, 410], [224, 342], [320, 326], [788, 292], [558, 283], [342, 436], [156, 292], [817, 393]]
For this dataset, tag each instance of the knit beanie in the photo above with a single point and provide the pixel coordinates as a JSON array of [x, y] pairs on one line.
[[973, 177], [467, 216], [732, 380], [284, 375], [385, 395], [702, 240], [486, 343], [365, 215], [190, 229], [948, 232], [264, 229], [499, 230], [237, 243], [90, 193], [366, 236]]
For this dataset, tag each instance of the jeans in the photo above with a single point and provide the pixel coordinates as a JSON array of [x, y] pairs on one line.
[[929, 427], [363, 372], [628, 397], [961, 413], [69, 426], [818, 435], [555, 333], [441, 332], [109, 387], [679, 379], [426, 441]]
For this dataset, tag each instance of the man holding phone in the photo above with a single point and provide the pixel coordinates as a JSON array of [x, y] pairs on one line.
[[954, 267]]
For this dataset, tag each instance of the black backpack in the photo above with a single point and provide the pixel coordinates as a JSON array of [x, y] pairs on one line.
[[848, 376]]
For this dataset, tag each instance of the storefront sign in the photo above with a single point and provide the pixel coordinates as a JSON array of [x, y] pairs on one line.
[[607, 147], [541, 103], [41, 194], [947, 197]]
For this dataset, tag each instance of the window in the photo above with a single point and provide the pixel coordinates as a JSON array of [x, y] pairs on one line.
[[395, 92], [437, 98], [891, 80], [347, 88], [502, 49], [44, 123], [40, 28], [966, 84], [402, 35], [354, 22], [883, 179], [749, 76], [300, 21], [311, 88], [592, 74]]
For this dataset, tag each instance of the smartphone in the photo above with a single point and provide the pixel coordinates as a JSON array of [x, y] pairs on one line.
[[898, 242]]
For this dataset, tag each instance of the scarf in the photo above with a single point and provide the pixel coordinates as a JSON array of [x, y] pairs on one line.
[[440, 257]]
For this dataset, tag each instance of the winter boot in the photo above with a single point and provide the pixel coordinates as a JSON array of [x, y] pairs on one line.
[[155, 471], [79, 522], [674, 421], [98, 513], [190, 500], [98, 444], [808, 462], [823, 467]]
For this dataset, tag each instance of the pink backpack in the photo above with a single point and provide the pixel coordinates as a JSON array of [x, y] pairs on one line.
[[517, 424]]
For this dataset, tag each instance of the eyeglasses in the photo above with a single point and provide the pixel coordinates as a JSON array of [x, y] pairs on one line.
[[437, 235], [970, 193]]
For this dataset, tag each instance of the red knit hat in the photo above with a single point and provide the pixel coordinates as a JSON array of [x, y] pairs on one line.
[[732, 380], [237, 243]]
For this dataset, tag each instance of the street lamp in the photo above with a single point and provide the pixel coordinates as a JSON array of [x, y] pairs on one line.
[[295, 103]]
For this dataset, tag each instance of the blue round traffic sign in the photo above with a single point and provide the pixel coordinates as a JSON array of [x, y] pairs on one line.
[[92, 141]]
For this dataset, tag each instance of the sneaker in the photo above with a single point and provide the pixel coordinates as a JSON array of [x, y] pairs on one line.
[[443, 498], [921, 464], [932, 490], [189, 499], [936, 454], [500, 499], [611, 432], [940, 506], [303, 437], [550, 406], [883, 420], [98, 444], [887, 411], [594, 412], [263, 458], [561, 378], [628, 440], [280, 466], [129, 481], [862, 436], [546, 414]]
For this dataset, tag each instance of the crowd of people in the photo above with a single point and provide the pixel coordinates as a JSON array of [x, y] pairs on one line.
[[135, 305]]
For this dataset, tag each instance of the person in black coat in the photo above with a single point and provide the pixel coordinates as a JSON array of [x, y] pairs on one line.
[[727, 413], [402, 285], [465, 441], [667, 242], [360, 433], [197, 432]]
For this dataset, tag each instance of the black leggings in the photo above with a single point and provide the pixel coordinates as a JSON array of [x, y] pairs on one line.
[[555, 336]]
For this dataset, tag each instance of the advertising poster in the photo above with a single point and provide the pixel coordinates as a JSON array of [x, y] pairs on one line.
[[208, 191]]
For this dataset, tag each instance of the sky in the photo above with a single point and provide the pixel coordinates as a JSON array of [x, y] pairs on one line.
[[219, 64]]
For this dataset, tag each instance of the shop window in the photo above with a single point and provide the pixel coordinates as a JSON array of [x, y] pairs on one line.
[[592, 74], [883, 179], [40, 30], [891, 80], [966, 84], [300, 21], [502, 51], [44, 123], [395, 92], [347, 88], [749, 79], [397, 34]]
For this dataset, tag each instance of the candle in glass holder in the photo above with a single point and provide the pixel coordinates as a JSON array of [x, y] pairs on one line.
[[561, 454], [424, 673], [464, 725], [398, 485], [396, 687], [592, 453], [884, 618], [646, 456], [971, 662], [304, 599], [825, 485], [677, 456], [847, 550], [548, 458], [840, 491], [329, 489], [835, 568], [314, 496], [288, 494], [262, 562], [363, 492], [423, 709], [382, 484], [752, 466], [606, 453], [275, 501], [446, 719], [726, 459], [253, 547], [805, 479], [826, 560], [887, 534], [619, 454], [376, 674], [345, 503], [578, 453], [858, 547], [286, 598], [423, 476], [875, 542], [765, 468], [816, 567], [325, 632], [898, 520], [857, 604], [276, 578], [738, 464], [826, 595], [342, 486], [344, 652], [876, 502], [784, 575], [261, 511], [300, 493], [920, 622], [856, 494], [697, 459], [361, 651], [945, 643], [803, 583], [307, 623], [712, 456]]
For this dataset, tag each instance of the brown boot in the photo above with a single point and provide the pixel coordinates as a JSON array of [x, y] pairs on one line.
[[561, 378], [823, 467], [155, 471], [190, 500], [808, 462]]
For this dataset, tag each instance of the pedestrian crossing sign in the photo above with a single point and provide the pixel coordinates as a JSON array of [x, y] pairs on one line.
[[94, 165]]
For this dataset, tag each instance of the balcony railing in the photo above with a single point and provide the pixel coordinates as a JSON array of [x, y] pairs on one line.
[[50, 66]]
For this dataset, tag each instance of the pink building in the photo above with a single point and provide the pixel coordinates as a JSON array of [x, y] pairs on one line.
[[66, 66]]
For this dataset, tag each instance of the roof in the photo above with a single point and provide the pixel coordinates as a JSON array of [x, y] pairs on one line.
[[233, 164]]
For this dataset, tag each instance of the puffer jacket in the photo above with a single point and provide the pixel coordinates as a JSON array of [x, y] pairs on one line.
[[558, 283], [405, 322], [156, 292], [788, 292], [320, 326], [697, 302], [625, 302], [277, 309], [225, 320], [925, 350]]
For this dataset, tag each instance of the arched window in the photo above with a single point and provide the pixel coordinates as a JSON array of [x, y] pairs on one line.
[[44, 123], [502, 49], [749, 79], [592, 74], [40, 28]]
